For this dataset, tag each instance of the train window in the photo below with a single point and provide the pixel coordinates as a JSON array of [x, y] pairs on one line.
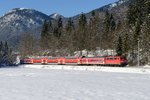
[[111, 58], [107, 58]]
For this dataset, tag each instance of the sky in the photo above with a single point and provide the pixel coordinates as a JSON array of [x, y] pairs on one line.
[[66, 8]]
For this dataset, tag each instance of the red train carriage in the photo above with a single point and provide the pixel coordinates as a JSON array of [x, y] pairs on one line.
[[53, 60], [39, 60], [115, 60], [36, 60], [93, 61], [72, 60], [27, 61]]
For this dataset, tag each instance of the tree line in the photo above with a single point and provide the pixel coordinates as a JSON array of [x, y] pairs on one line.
[[6, 56]]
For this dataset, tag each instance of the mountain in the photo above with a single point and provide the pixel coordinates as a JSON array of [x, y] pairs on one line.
[[119, 9], [18, 21], [56, 16]]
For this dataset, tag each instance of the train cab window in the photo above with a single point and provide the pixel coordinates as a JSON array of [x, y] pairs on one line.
[[109, 58], [123, 58], [115, 58]]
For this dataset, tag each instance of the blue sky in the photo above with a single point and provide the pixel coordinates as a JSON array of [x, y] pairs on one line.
[[66, 8]]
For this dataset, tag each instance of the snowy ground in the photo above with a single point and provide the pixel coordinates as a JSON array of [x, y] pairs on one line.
[[52, 84], [141, 69]]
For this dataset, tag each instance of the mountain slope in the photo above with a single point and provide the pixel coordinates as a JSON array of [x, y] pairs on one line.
[[119, 9], [56, 16], [18, 21]]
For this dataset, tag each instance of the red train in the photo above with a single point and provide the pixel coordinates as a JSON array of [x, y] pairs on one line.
[[104, 61]]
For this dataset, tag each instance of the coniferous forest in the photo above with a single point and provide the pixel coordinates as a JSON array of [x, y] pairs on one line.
[[6, 57], [63, 38]]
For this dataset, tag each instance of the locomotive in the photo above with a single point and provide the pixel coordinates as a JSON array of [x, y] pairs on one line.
[[103, 61]]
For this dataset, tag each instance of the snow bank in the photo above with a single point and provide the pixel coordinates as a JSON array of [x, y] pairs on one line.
[[144, 69], [43, 84], [146, 66]]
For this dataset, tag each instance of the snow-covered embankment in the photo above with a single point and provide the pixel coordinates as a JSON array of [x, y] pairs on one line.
[[143, 69]]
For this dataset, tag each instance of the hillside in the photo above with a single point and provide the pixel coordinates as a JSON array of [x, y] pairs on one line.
[[20, 20], [119, 9]]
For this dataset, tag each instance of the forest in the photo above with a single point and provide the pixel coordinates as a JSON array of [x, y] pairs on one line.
[[59, 38]]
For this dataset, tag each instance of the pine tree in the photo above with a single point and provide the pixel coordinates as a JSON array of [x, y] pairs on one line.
[[93, 26], [136, 16], [119, 47], [5, 54], [6, 47], [50, 27], [107, 22], [1, 46], [109, 28], [45, 28], [68, 35], [147, 7], [1, 51], [69, 26], [112, 23], [125, 44], [60, 27], [145, 41], [118, 26], [82, 33], [45, 35], [55, 32]]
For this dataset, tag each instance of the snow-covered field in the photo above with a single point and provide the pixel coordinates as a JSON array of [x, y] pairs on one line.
[[51, 84]]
